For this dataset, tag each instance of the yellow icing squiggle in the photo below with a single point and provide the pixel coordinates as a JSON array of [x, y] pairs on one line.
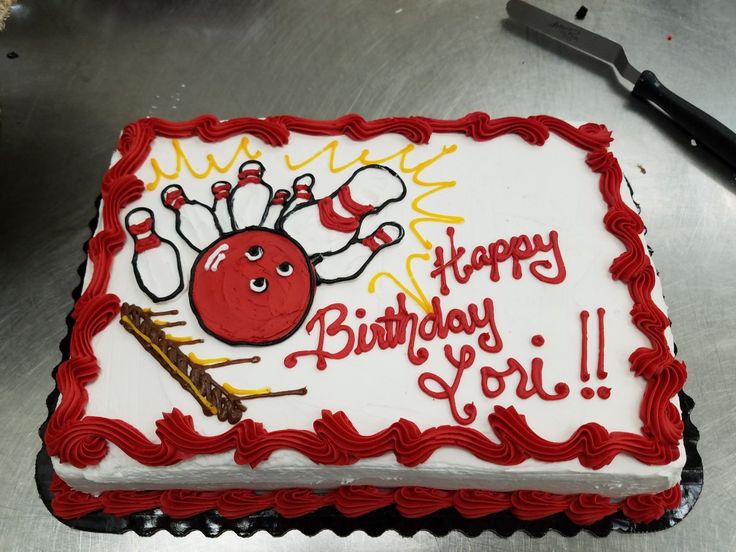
[[362, 158], [412, 289], [206, 361], [212, 165], [237, 391], [179, 338], [415, 292]]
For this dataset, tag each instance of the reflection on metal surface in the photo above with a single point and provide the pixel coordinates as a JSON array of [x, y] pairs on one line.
[[577, 37]]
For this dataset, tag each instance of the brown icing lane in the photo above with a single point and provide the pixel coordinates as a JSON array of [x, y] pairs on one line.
[[248, 360], [215, 400], [300, 391], [191, 375]]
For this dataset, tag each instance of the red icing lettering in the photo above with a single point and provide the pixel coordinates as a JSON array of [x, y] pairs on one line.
[[452, 262], [397, 326], [517, 248], [448, 391], [332, 329], [554, 247], [524, 389]]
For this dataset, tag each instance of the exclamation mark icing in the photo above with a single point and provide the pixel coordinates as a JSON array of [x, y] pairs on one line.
[[584, 375], [601, 372], [602, 391]]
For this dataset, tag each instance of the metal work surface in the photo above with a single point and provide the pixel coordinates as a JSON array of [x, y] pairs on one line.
[[85, 69]]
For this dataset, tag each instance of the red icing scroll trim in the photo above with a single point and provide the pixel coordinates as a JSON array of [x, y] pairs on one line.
[[354, 501], [83, 440]]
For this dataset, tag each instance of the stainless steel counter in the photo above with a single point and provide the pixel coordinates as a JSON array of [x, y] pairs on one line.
[[87, 68]]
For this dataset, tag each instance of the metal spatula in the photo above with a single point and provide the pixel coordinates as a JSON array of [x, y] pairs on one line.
[[706, 130]]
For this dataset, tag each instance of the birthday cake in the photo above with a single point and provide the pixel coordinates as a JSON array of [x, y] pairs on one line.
[[405, 313]]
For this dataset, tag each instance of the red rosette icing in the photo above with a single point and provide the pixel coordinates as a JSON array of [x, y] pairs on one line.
[[292, 503], [83, 441], [414, 502], [70, 504], [586, 509], [271, 133], [649, 507], [481, 127], [136, 137], [589, 136], [529, 505], [180, 504], [414, 129], [357, 500], [475, 503], [240, 503], [123, 503], [73, 504]]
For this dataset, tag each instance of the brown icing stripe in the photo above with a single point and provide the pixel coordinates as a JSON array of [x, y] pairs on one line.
[[215, 400]]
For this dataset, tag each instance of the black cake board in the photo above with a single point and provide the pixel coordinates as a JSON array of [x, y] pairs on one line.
[[375, 523]]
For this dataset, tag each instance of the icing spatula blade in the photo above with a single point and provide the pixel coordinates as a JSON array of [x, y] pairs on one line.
[[592, 44], [706, 130]]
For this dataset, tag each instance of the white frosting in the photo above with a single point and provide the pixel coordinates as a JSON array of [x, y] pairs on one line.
[[503, 188]]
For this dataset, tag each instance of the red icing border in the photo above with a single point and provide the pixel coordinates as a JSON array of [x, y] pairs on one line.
[[83, 440], [354, 501]]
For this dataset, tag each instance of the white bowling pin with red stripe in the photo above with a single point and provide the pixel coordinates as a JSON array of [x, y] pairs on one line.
[[251, 196], [220, 193], [156, 262], [330, 223], [351, 262], [302, 191], [280, 199], [195, 222]]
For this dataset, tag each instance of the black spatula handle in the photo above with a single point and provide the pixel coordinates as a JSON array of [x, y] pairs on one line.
[[706, 130]]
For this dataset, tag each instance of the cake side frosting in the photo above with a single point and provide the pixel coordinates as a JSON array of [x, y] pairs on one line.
[[438, 416], [354, 501]]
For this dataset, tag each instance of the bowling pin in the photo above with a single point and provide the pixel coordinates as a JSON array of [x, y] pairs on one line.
[[351, 262], [328, 225], [195, 222], [156, 262], [220, 192], [251, 196], [280, 199], [302, 192]]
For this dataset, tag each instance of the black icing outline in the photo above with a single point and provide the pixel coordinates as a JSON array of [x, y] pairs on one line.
[[234, 188], [360, 271], [312, 289], [312, 260], [155, 298], [177, 216], [376, 208], [292, 197], [287, 200], [227, 203]]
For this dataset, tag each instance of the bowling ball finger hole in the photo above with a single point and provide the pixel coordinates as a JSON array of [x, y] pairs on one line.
[[259, 285], [284, 269], [254, 253]]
